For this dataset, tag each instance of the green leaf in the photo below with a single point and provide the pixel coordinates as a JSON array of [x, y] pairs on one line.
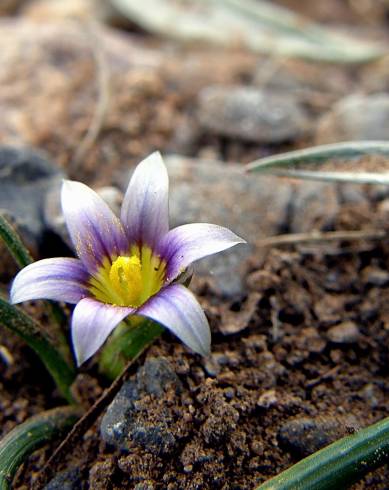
[[29, 330], [23, 258], [289, 164], [128, 340], [259, 25], [34, 433], [14, 244], [338, 465]]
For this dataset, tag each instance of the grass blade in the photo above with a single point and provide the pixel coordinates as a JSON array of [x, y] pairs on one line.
[[289, 164], [338, 465], [30, 331], [260, 27], [22, 257], [25, 438], [13, 242]]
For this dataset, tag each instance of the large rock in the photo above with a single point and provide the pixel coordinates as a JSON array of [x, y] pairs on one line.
[[356, 117], [26, 178], [305, 435], [251, 114], [124, 422]]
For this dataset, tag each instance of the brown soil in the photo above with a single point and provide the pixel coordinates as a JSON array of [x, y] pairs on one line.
[[310, 338], [294, 356]]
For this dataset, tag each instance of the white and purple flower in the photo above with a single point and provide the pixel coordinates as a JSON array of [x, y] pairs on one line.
[[126, 266]]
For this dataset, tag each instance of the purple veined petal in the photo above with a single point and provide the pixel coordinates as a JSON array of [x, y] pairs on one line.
[[176, 308], [59, 279], [187, 243], [92, 323], [94, 229], [145, 209]]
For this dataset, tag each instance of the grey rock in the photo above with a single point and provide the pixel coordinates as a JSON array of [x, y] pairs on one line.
[[25, 178], [251, 114], [155, 376], [356, 117], [314, 206], [344, 333], [66, 480], [156, 439], [117, 420], [304, 435], [375, 276], [371, 394], [121, 423]]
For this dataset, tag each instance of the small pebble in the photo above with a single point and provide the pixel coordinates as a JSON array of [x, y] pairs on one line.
[[344, 333], [251, 114], [305, 435], [375, 276]]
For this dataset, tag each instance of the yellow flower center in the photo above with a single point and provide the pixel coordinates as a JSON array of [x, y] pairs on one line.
[[126, 278], [129, 280]]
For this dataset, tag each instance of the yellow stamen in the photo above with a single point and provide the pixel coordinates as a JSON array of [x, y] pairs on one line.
[[126, 278], [129, 280]]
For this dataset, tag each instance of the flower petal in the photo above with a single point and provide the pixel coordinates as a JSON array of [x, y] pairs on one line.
[[145, 210], [187, 243], [92, 323], [60, 279], [176, 308], [94, 229]]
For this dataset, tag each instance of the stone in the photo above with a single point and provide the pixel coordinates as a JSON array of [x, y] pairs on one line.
[[371, 394], [250, 114], [26, 176], [375, 276], [313, 207], [345, 333], [117, 420], [305, 435], [123, 424], [355, 117], [156, 375], [69, 479]]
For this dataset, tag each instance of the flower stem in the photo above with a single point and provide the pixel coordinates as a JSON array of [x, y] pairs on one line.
[[29, 330], [338, 465], [31, 435], [130, 338]]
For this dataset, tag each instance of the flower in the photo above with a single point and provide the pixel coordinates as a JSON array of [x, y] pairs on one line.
[[125, 266]]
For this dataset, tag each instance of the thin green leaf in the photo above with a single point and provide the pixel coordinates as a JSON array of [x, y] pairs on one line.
[[13, 242], [34, 433], [289, 164], [326, 42], [259, 25], [129, 339], [22, 257], [30, 331], [338, 465]]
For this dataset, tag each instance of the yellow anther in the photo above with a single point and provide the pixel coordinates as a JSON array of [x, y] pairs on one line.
[[129, 280], [125, 276]]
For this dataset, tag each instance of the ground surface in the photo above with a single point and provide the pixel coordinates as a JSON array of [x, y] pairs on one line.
[[299, 359]]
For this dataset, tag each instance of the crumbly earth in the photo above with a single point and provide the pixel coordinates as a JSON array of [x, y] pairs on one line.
[[315, 346], [307, 361]]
